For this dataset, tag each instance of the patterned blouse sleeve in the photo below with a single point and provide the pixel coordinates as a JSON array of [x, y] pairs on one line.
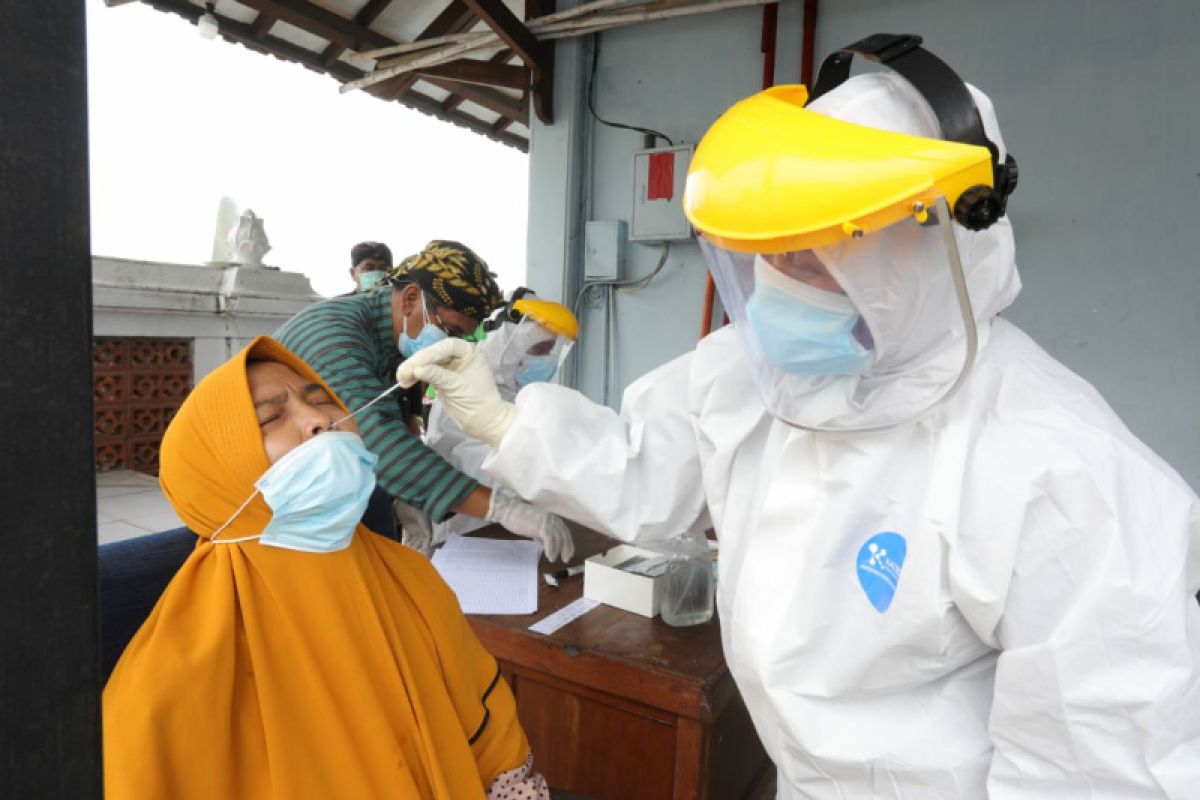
[[521, 783]]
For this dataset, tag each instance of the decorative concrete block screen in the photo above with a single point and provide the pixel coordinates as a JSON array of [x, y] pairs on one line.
[[139, 384]]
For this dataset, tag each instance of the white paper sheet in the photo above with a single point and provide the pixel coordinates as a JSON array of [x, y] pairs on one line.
[[490, 576]]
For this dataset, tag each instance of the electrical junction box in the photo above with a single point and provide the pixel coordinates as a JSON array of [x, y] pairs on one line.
[[658, 178], [603, 249]]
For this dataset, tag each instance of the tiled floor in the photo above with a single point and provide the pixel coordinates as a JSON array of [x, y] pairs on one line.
[[130, 504]]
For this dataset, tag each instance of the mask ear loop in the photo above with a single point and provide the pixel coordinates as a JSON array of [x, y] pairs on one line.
[[946, 225], [424, 311], [229, 521]]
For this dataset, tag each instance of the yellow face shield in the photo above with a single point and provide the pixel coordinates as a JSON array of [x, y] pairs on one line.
[[773, 176], [539, 343], [554, 316]]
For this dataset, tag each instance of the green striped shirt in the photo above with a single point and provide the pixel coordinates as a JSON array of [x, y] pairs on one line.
[[349, 341]]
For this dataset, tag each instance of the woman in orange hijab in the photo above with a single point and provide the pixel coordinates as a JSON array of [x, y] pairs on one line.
[[296, 654]]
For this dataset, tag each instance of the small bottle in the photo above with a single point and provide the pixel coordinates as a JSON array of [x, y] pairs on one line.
[[687, 597]]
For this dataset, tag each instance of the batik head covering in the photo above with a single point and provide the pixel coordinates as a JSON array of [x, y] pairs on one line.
[[454, 276], [272, 673]]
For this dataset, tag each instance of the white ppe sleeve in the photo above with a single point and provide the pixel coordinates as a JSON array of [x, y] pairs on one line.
[[1097, 690], [634, 476], [448, 440]]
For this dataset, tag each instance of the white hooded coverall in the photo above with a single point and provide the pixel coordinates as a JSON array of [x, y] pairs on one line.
[[1043, 639], [444, 437]]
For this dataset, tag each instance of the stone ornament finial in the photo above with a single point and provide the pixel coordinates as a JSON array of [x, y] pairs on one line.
[[249, 240]]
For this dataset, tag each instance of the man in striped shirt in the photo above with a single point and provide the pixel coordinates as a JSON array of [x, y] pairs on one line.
[[354, 343]]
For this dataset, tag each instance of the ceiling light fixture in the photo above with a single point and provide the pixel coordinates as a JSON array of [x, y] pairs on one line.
[[207, 25]]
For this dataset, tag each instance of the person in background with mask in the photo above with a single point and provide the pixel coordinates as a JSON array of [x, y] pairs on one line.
[[528, 341], [297, 654], [370, 262], [355, 344], [948, 570]]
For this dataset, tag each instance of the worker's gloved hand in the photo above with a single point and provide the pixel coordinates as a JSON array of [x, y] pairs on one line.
[[530, 521], [464, 384]]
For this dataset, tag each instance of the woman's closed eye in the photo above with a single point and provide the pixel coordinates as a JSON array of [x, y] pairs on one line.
[[266, 419]]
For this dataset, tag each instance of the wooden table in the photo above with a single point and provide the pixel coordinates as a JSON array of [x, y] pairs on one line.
[[619, 706]]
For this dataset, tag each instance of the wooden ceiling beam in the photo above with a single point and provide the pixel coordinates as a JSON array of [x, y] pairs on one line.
[[320, 22], [511, 30], [455, 18], [262, 26], [501, 125], [369, 13], [541, 78], [497, 58], [541, 87], [484, 73], [491, 100]]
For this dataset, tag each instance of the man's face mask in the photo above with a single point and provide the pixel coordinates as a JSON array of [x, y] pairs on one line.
[[429, 334], [803, 330], [369, 280]]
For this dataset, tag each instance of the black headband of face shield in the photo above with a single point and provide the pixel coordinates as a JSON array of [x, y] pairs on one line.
[[979, 206], [506, 312]]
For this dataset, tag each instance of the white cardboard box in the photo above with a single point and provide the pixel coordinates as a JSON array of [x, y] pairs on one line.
[[603, 582]]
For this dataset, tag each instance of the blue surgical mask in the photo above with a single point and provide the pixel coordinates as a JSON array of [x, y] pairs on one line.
[[318, 493], [430, 334], [803, 330], [537, 370]]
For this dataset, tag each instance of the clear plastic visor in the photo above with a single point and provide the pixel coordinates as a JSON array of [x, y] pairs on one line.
[[532, 354], [824, 328]]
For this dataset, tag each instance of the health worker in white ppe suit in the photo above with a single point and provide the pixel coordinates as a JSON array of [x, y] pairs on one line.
[[529, 340], [948, 570]]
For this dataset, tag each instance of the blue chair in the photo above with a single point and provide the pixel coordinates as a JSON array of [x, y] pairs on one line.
[[133, 574]]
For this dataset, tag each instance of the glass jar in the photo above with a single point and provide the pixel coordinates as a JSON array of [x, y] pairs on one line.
[[687, 590]]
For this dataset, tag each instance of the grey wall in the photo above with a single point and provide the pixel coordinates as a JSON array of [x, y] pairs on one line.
[[1096, 98]]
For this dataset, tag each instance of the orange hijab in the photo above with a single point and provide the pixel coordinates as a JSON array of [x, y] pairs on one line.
[[265, 672]]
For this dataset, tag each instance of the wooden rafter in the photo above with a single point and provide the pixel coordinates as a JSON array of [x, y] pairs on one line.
[[484, 73], [262, 25], [501, 125], [491, 100], [511, 30], [542, 89], [320, 22], [369, 13], [499, 58], [534, 53], [455, 18]]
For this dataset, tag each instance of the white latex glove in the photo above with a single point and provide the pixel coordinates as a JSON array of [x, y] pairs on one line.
[[531, 522], [464, 384]]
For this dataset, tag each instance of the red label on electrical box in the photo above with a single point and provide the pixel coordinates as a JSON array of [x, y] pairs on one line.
[[660, 182]]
